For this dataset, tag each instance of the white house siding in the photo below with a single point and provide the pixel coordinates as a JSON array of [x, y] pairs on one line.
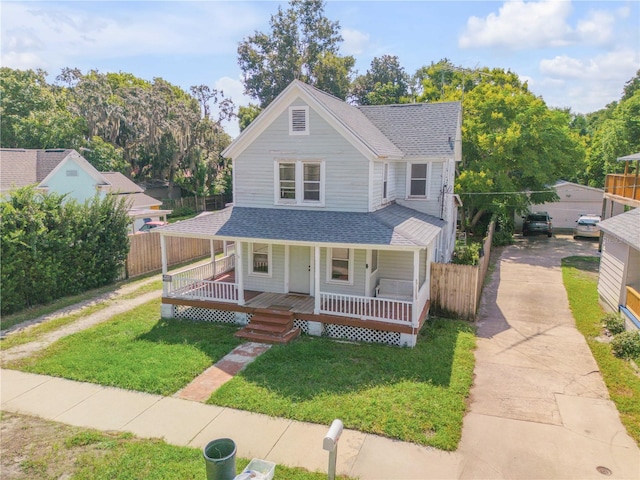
[[346, 169], [395, 265], [274, 283], [615, 255], [359, 272], [423, 266], [378, 172], [432, 204]]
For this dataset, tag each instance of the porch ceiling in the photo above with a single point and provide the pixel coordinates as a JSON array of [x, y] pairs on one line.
[[391, 226]]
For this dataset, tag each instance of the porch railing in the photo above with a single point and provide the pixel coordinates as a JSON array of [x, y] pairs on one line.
[[623, 185], [366, 308], [204, 290], [197, 282]]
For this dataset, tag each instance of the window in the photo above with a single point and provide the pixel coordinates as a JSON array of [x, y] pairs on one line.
[[288, 181], [385, 181], [419, 184], [298, 120], [299, 182], [260, 259], [311, 182], [339, 265]]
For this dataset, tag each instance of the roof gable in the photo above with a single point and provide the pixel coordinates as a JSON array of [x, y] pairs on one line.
[[71, 156], [625, 227]]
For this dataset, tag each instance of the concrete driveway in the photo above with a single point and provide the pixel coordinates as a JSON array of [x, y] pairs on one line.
[[539, 407]]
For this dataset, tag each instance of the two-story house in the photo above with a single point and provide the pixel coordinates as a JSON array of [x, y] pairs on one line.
[[338, 212]]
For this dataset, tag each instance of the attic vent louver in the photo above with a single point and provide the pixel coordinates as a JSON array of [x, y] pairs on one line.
[[72, 173], [299, 120]]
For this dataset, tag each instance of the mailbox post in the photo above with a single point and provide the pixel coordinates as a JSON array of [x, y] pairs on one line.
[[330, 443]]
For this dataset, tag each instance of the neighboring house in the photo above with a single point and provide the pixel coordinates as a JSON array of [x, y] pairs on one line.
[[65, 171], [619, 278], [575, 200], [338, 213], [54, 170]]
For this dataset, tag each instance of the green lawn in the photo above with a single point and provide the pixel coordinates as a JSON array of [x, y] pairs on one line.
[[417, 395], [136, 350], [36, 332], [623, 383]]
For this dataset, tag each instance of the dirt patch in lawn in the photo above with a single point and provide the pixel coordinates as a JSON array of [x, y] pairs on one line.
[[36, 448]]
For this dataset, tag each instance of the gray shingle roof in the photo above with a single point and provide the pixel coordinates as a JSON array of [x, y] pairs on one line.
[[406, 130], [625, 227], [20, 167], [118, 183], [392, 226], [418, 129]]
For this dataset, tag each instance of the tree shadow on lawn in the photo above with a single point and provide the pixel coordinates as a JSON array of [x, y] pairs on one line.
[[311, 366]]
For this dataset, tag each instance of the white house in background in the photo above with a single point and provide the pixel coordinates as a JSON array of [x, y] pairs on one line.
[[338, 213], [65, 171], [619, 278], [575, 200]]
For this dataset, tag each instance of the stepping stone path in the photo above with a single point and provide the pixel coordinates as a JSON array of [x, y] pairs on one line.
[[201, 388]]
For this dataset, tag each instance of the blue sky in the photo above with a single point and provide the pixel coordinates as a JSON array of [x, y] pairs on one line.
[[576, 54]]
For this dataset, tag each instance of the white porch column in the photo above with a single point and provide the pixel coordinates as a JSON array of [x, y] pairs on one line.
[[213, 251], [239, 276], [224, 247], [316, 273], [166, 309]]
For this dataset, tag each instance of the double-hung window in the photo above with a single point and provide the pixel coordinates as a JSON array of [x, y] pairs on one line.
[[260, 256], [418, 185], [340, 265], [299, 182]]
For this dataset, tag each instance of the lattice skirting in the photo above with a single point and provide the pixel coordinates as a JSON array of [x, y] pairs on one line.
[[359, 334], [303, 325], [209, 315]]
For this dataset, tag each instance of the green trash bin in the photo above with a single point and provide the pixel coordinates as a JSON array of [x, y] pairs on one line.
[[220, 459]]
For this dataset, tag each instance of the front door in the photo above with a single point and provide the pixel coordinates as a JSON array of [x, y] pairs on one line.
[[299, 269]]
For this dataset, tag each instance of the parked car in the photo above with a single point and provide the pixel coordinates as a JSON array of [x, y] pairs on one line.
[[537, 222], [151, 225], [587, 226]]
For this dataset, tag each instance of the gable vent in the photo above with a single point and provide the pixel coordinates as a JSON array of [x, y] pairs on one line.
[[72, 173], [299, 120]]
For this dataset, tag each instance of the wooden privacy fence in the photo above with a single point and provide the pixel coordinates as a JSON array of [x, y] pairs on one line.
[[456, 288], [145, 255]]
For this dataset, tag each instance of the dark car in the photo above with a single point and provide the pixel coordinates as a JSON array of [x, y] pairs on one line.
[[537, 222]]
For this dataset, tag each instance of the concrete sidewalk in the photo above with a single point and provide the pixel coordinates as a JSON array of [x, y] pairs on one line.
[[188, 423]]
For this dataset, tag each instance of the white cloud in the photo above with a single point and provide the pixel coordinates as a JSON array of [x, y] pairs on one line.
[[525, 25], [587, 85], [519, 25], [355, 41]]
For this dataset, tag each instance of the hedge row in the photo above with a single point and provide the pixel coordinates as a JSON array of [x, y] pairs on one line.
[[52, 246]]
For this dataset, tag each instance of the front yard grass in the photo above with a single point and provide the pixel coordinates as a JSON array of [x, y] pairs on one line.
[[136, 350], [622, 382], [416, 395]]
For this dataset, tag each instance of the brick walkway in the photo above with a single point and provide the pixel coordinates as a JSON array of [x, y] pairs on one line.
[[201, 388]]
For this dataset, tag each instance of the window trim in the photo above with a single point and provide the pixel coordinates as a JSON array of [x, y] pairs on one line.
[[385, 182], [253, 273], [427, 195], [329, 266], [306, 120], [376, 253], [299, 181]]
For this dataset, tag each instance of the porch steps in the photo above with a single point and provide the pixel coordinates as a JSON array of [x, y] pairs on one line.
[[270, 326]]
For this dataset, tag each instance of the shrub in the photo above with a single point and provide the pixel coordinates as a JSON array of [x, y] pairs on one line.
[[614, 323], [52, 246], [467, 254], [626, 344], [503, 234]]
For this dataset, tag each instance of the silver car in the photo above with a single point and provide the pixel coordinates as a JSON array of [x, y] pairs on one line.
[[587, 226]]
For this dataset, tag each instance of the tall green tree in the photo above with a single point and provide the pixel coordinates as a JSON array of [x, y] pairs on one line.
[[302, 44], [384, 83], [514, 147]]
